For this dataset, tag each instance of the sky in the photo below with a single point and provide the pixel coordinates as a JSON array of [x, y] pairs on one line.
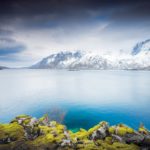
[[33, 29]]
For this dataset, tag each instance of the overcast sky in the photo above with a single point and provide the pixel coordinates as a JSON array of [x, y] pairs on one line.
[[33, 29]]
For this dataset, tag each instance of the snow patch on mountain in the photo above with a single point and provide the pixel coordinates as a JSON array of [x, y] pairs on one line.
[[138, 59], [141, 46]]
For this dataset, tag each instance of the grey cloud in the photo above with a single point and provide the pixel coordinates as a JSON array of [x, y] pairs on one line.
[[5, 32], [139, 11], [10, 46], [51, 13]]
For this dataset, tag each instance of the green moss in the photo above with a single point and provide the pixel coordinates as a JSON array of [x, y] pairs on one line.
[[108, 140], [115, 146], [111, 130], [90, 146], [41, 140], [23, 116], [60, 128], [3, 133], [13, 131], [91, 130], [45, 129], [122, 146], [143, 130], [130, 130], [59, 138], [14, 121], [122, 130], [82, 134], [54, 134], [43, 117], [26, 121], [80, 146]]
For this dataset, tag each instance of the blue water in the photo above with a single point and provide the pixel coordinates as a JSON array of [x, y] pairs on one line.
[[77, 98]]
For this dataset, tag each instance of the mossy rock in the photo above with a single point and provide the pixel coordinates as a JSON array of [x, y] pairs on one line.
[[91, 146], [41, 140], [80, 146], [45, 129], [47, 138], [60, 128], [96, 127], [5, 147], [102, 123], [43, 117], [26, 122], [116, 146], [104, 145], [59, 138], [54, 131], [53, 123], [52, 135], [25, 119], [23, 116], [111, 130], [14, 121], [123, 130], [13, 131], [3, 133], [130, 130], [122, 146], [36, 130], [143, 130], [82, 134], [108, 140], [91, 130]]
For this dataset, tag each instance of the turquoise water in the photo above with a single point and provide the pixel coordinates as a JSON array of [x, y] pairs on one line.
[[77, 98]]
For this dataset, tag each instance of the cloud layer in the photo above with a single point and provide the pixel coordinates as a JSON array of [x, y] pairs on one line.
[[30, 30]]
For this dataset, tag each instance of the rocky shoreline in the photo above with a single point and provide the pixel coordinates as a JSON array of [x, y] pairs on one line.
[[29, 133]]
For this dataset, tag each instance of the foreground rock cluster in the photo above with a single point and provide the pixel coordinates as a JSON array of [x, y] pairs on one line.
[[28, 133]]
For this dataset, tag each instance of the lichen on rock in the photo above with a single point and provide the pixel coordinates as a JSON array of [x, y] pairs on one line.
[[27, 133]]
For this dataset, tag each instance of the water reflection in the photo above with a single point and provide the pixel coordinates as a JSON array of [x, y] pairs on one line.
[[85, 97]]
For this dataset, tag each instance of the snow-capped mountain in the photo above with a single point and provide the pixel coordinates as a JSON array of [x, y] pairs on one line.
[[141, 46], [139, 58]]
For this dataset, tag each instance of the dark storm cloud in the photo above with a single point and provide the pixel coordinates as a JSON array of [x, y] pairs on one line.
[[135, 11], [49, 13], [42, 25], [4, 32], [9, 46]]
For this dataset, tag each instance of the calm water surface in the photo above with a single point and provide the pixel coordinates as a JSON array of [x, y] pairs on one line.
[[77, 98]]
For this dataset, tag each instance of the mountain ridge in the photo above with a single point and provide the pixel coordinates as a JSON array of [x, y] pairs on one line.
[[138, 59], [141, 46]]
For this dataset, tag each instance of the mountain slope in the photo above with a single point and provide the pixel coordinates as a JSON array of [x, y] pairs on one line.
[[141, 46], [138, 59]]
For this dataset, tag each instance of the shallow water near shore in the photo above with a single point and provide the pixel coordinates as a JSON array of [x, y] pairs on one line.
[[78, 99]]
